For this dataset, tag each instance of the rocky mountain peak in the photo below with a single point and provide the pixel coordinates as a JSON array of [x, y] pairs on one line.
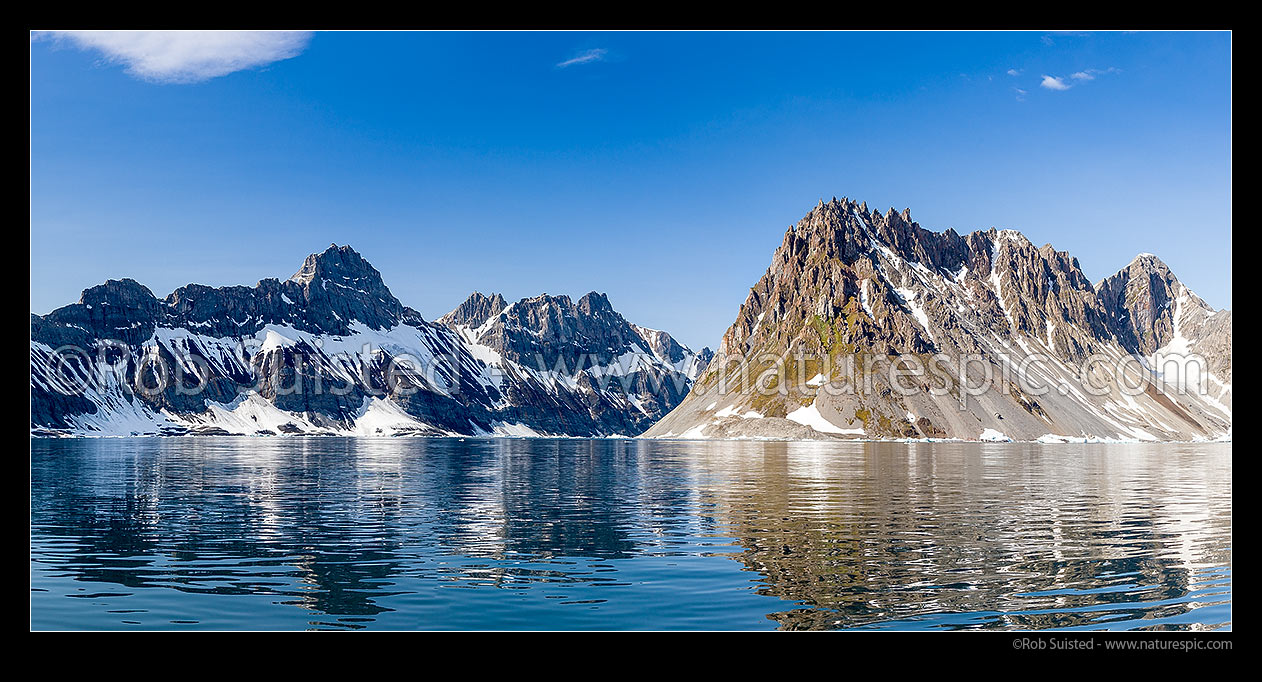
[[337, 263], [556, 328], [1148, 305], [1147, 262], [338, 286], [257, 360], [559, 327], [475, 310], [594, 303], [846, 283], [265, 360], [664, 346], [124, 291], [124, 307]]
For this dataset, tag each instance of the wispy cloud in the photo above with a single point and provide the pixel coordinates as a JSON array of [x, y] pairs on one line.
[[1090, 74], [584, 57], [1054, 83], [186, 56], [1020, 94], [1065, 83], [1014, 72]]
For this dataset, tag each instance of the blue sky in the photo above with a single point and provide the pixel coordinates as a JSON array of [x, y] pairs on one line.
[[659, 168]]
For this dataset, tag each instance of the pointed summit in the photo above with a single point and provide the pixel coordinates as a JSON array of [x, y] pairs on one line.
[[335, 262], [595, 303], [339, 286], [1148, 304], [332, 351], [1154, 313], [847, 285], [475, 310], [1147, 262]]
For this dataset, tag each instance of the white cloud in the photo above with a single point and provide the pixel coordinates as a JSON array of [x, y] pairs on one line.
[[1014, 72], [585, 57], [187, 56], [1059, 83], [1054, 83], [1090, 74]]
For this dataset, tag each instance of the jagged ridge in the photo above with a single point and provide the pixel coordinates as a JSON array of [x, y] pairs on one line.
[[335, 323], [847, 283]]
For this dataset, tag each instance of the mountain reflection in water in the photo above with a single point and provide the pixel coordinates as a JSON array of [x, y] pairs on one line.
[[262, 533]]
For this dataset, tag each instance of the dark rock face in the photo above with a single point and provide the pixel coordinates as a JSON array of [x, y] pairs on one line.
[[339, 285], [624, 377], [475, 311], [1138, 299], [331, 350], [1152, 312], [851, 285], [331, 290], [820, 268], [1143, 300], [119, 309], [546, 330]]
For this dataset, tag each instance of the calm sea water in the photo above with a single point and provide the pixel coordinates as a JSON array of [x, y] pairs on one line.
[[330, 533]]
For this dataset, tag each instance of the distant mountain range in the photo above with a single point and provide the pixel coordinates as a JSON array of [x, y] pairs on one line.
[[850, 292], [332, 351], [866, 325]]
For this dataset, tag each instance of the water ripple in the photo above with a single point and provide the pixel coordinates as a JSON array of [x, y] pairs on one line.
[[329, 533]]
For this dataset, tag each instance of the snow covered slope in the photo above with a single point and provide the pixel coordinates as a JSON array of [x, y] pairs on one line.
[[332, 351], [867, 325]]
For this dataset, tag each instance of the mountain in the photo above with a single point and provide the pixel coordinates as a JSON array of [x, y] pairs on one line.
[[987, 335], [1154, 313], [332, 351], [576, 348]]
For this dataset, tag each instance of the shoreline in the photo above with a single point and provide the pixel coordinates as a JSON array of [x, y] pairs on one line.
[[1066, 441]]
